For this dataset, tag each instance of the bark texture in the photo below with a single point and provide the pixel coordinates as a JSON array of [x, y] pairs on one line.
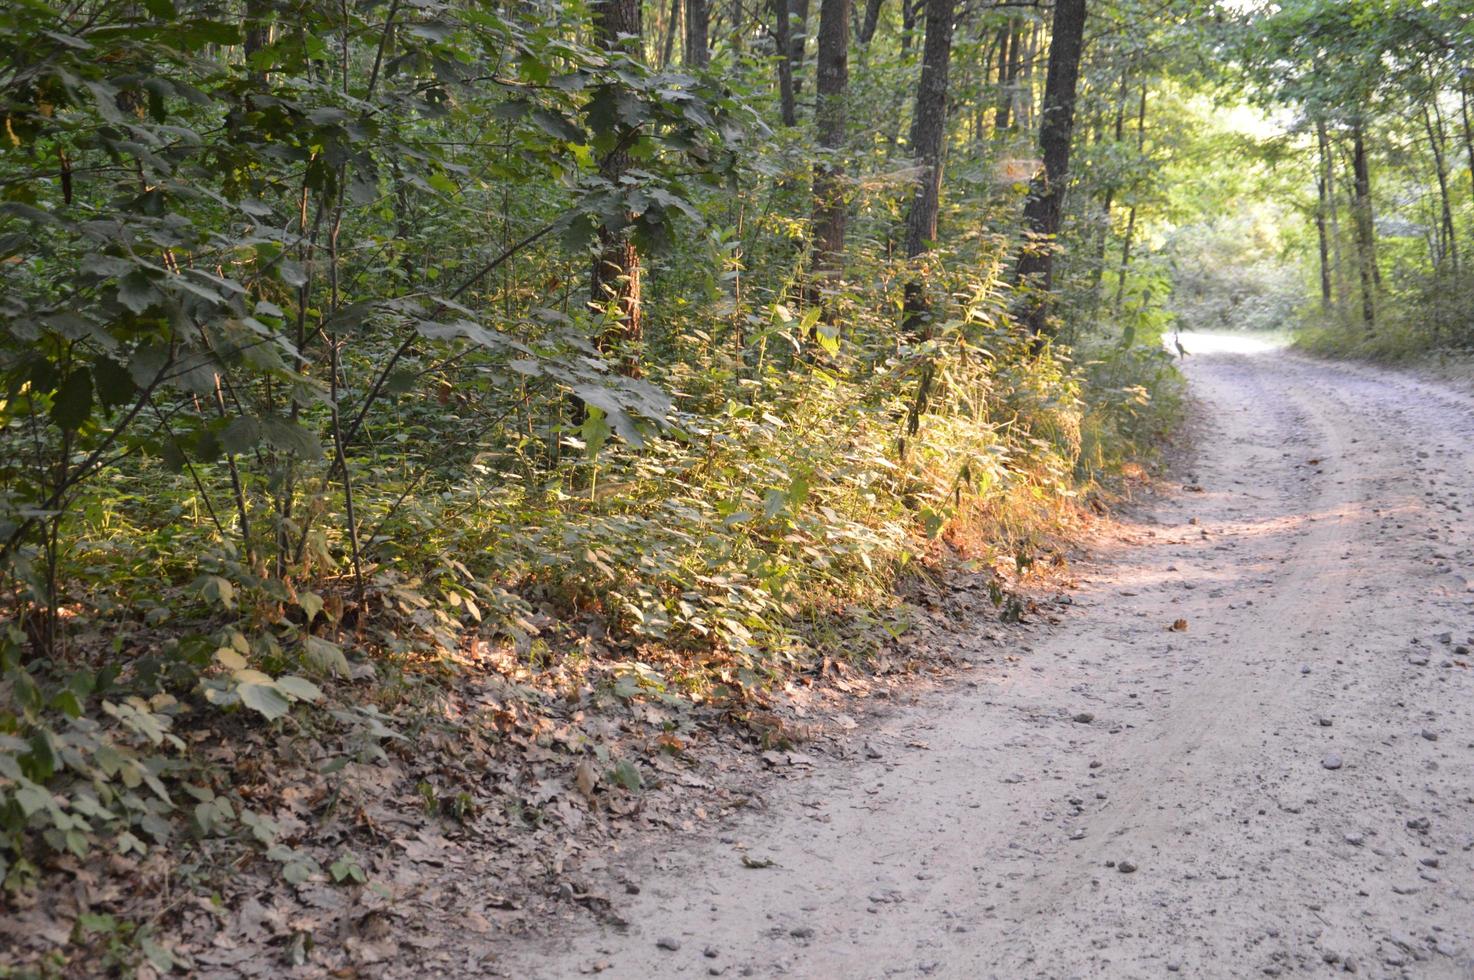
[[614, 283], [1366, 229], [1035, 272], [698, 33], [830, 208]]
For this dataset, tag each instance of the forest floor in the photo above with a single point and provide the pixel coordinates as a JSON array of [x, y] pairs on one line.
[[1248, 747]]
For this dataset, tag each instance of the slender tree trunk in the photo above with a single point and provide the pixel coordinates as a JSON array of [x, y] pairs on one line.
[[798, 40], [1023, 104], [928, 144], [782, 43], [830, 207], [1433, 123], [1035, 271], [259, 33], [615, 281], [1468, 131], [1366, 229], [872, 18], [1328, 169], [1007, 73], [672, 22], [928, 132], [1097, 274], [1129, 238], [698, 33], [1325, 249]]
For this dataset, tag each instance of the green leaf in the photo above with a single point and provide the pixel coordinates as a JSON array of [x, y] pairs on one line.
[[136, 292], [71, 405], [114, 384], [325, 656], [299, 688], [264, 699], [289, 437], [241, 435], [626, 775]]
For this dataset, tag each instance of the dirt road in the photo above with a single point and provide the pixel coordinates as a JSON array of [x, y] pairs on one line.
[[1284, 788]]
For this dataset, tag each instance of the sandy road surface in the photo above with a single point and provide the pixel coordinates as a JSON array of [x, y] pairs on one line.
[[1291, 779]]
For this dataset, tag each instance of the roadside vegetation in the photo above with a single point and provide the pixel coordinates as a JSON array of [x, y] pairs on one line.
[[442, 402]]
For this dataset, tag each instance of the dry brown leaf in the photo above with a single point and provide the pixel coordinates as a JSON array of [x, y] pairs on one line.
[[585, 779], [1178, 626]]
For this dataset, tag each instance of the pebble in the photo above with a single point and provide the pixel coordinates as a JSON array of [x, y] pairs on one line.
[[1125, 867], [710, 952], [1325, 723], [1084, 718], [802, 932], [1305, 668], [1355, 839], [1418, 660], [1332, 761], [667, 943], [1431, 736]]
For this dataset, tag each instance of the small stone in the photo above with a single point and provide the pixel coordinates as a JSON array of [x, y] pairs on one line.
[[1429, 862], [1355, 839], [1095, 763], [710, 952], [1125, 867], [802, 932], [1418, 660], [668, 943], [1174, 965], [1418, 824], [1332, 761], [1430, 735], [1084, 718], [1325, 722], [1305, 668]]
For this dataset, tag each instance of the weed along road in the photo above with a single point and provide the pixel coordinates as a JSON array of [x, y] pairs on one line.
[[1248, 750]]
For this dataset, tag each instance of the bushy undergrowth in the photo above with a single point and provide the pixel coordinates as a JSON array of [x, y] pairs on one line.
[[286, 421], [1416, 320], [777, 494]]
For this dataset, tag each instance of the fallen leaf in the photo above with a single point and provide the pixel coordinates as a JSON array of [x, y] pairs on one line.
[[585, 779], [1178, 626]]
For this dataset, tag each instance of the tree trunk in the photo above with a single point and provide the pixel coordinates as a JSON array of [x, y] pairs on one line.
[[1023, 99], [1468, 131], [1035, 271], [872, 18], [259, 33], [1328, 169], [830, 208], [1433, 123], [781, 43], [1325, 249], [698, 33], [1097, 274], [673, 20], [927, 137], [1366, 229], [1007, 72], [614, 284], [798, 39]]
